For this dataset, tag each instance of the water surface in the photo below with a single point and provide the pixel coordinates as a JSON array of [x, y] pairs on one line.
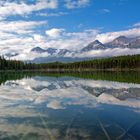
[[40, 106]]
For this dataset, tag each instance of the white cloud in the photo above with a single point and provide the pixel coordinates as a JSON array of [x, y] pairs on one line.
[[81, 39], [136, 24], [20, 27], [54, 104], [110, 52], [21, 36], [22, 8], [70, 40], [57, 14], [103, 11], [38, 37], [70, 4], [54, 33], [109, 36]]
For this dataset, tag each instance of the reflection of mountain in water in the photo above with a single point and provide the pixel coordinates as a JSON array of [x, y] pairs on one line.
[[121, 94], [68, 108], [119, 91]]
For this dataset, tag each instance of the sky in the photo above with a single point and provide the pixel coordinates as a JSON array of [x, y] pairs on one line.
[[64, 24]]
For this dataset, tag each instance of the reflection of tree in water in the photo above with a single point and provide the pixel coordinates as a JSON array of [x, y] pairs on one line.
[[128, 77], [10, 76]]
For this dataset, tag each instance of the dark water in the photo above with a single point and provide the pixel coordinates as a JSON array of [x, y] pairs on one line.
[[87, 106]]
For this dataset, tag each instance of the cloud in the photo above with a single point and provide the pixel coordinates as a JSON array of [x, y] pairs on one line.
[[136, 24], [20, 27], [18, 33], [71, 92], [54, 32], [38, 37], [70, 4], [109, 36], [22, 8], [81, 39], [19, 37], [63, 39], [25, 104], [54, 104], [103, 11], [109, 52], [52, 14]]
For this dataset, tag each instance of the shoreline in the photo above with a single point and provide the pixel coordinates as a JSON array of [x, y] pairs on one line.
[[74, 70]]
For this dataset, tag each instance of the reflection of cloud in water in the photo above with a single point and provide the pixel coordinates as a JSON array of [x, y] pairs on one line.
[[20, 98], [60, 94], [55, 105], [109, 99]]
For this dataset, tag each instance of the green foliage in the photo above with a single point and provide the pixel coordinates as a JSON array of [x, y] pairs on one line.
[[117, 63]]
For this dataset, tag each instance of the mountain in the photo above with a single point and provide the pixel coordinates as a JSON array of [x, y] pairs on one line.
[[66, 55], [124, 42], [63, 52], [51, 51], [38, 50], [120, 41], [95, 45], [135, 43]]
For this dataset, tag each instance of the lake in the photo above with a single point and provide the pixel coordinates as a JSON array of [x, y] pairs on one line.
[[70, 106]]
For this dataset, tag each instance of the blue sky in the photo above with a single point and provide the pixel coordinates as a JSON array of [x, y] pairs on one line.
[[69, 24], [110, 15]]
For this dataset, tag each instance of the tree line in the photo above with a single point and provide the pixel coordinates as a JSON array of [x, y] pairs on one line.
[[119, 62]]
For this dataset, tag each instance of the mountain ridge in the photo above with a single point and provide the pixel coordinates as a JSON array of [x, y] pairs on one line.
[[119, 42], [91, 50], [65, 55]]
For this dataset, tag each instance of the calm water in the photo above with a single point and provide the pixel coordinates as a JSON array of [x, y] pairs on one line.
[[97, 106]]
